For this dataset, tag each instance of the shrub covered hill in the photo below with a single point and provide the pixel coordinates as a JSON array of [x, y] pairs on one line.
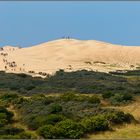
[[80, 81], [67, 105]]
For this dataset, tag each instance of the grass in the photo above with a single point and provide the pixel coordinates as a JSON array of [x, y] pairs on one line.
[[131, 131], [113, 65], [17, 123]]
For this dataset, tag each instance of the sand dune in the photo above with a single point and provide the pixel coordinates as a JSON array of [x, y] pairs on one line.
[[70, 55]]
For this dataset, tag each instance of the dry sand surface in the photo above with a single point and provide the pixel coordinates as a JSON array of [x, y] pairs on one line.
[[70, 55]]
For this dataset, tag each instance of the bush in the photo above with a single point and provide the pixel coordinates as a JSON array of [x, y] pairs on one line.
[[48, 132], [38, 96], [107, 95], [94, 100], [70, 129], [10, 130], [9, 96], [25, 135], [3, 119], [65, 129], [120, 98], [47, 100], [55, 108], [29, 87], [2, 122], [95, 123], [20, 101], [116, 99], [6, 114], [54, 118], [127, 96], [119, 117], [81, 98], [87, 124], [68, 96], [34, 122]]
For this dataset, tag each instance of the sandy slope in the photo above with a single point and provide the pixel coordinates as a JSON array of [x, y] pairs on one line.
[[70, 54]]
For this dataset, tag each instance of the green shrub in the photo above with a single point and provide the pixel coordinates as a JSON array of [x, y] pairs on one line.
[[42, 98], [48, 100], [87, 124], [70, 129], [120, 98], [68, 96], [5, 116], [20, 101], [127, 96], [116, 99], [38, 96], [3, 119], [119, 117], [34, 121], [8, 115], [29, 87], [94, 100], [107, 95], [48, 132], [25, 135], [82, 98], [65, 129], [2, 122], [55, 108], [9, 96], [54, 118], [129, 118], [10, 130], [95, 123]]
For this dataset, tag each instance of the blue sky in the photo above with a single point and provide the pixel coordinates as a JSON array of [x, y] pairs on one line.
[[29, 23]]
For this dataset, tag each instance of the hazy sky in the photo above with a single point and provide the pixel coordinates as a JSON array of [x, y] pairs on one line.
[[30, 23]]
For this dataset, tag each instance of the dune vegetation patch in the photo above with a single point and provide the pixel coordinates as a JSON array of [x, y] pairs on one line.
[[73, 105], [68, 115]]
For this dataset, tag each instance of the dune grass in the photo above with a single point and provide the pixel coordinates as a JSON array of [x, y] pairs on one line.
[[131, 131], [17, 123]]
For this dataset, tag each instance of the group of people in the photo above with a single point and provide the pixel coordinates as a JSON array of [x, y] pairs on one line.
[[66, 37]]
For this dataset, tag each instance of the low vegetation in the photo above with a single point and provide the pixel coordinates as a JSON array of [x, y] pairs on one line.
[[69, 115], [118, 98], [7, 130], [79, 81], [79, 103]]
